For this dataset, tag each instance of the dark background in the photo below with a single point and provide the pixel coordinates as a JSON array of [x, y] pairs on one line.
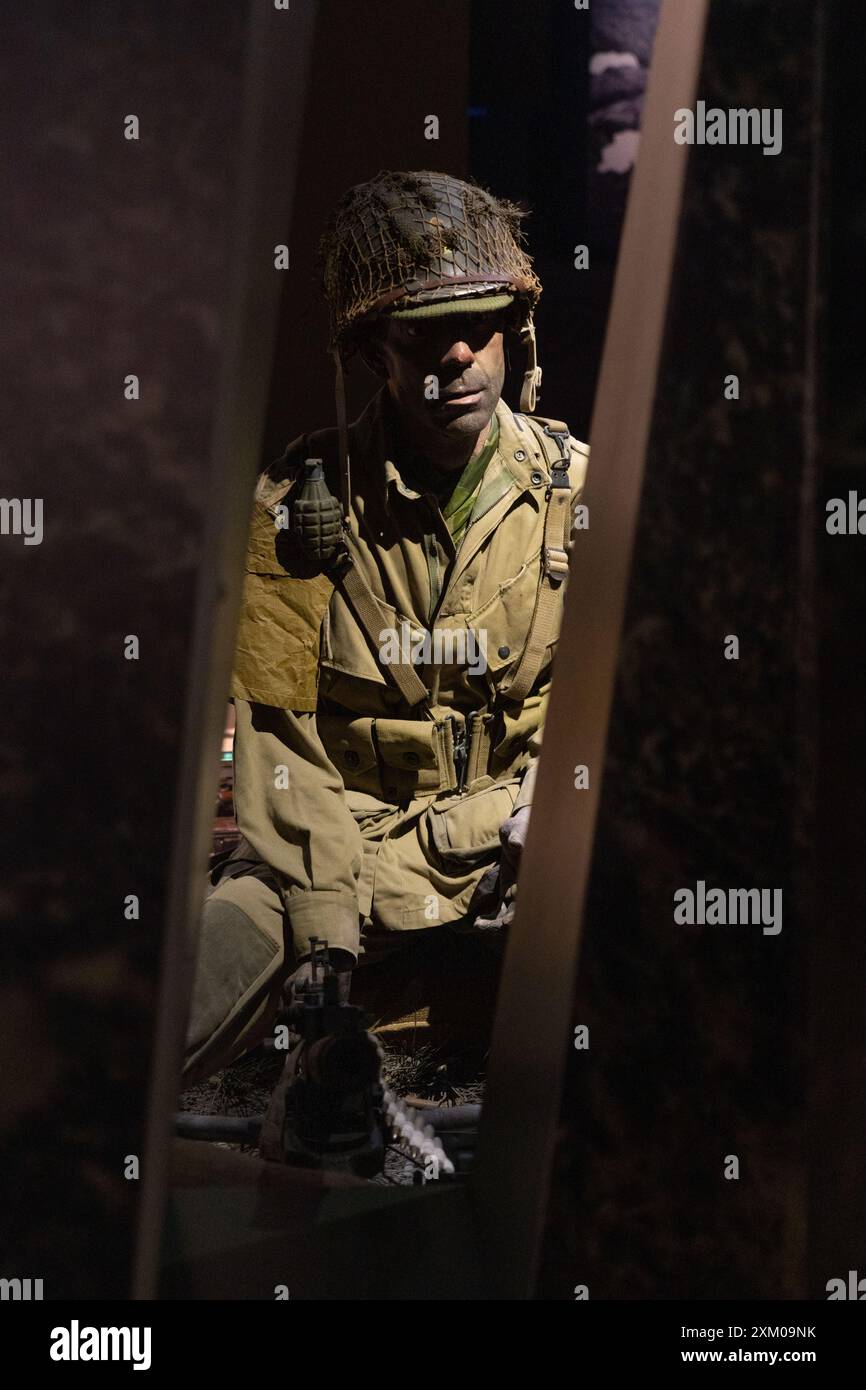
[[522, 116], [716, 1041], [114, 259]]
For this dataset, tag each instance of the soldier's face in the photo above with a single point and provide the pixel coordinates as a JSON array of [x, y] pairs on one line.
[[445, 375]]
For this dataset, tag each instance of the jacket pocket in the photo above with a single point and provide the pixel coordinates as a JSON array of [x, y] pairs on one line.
[[505, 619], [464, 830]]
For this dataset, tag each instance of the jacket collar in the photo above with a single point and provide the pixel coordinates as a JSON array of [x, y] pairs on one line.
[[518, 459]]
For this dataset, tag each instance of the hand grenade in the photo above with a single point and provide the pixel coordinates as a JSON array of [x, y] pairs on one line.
[[316, 517]]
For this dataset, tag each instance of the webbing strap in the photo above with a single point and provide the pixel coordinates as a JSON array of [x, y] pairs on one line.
[[367, 611], [554, 569], [479, 747], [532, 375], [342, 432]]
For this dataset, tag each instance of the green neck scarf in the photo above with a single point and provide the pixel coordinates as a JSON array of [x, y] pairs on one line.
[[458, 509]]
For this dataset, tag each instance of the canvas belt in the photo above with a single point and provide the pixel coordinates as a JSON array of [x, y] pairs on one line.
[[396, 759]]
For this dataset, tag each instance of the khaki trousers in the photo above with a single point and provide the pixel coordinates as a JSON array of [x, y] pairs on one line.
[[244, 955]]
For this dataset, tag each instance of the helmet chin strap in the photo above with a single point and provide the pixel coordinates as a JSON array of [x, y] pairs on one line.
[[532, 376], [343, 432]]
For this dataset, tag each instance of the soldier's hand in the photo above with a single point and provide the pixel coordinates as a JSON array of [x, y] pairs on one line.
[[513, 836], [501, 915], [494, 898], [297, 984]]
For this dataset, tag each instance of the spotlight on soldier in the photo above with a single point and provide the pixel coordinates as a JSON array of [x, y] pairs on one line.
[[439, 512]]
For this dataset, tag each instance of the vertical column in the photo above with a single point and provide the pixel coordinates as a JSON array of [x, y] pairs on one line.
[[683, 1164]]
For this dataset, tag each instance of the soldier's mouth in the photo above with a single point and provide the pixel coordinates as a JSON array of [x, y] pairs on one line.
[[461, 398]]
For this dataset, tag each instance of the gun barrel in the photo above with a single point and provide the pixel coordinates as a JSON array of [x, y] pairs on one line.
[[226, 1129]]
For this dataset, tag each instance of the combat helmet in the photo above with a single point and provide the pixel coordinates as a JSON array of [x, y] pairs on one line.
[[417, 245]]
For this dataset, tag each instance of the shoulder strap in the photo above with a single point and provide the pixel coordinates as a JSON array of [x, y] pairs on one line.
[[349, 579], [549, 433], [552, 436]]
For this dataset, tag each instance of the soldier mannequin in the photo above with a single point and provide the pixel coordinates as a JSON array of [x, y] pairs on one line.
[[380, 797]]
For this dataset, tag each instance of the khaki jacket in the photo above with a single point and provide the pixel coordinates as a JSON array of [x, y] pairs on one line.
[[366, 806]]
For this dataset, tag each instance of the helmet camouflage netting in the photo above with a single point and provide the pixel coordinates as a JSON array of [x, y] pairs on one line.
[[412, 237]]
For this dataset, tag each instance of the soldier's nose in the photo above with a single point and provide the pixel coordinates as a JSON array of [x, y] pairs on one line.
[[459, 352]]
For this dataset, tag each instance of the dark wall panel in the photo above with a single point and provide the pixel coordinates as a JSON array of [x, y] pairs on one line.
[[696, 1032], [114, 262]]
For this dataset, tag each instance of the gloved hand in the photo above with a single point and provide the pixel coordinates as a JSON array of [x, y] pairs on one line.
[[342, 962], [513, 836], [294, 988], [494, 899]]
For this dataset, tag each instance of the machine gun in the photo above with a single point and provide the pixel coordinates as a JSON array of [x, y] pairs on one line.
[[329, 1108], [327, 1104]]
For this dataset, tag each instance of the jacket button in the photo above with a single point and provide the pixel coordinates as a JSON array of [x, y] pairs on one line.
[[412, 759], [519, 455], [536, 477], [504, 652], [351, 758]]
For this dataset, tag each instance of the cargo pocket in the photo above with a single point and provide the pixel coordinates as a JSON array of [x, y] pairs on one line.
[[350, 747], [392, 759], [464, 830], [513, 749], [504, 619], [504, 624]]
